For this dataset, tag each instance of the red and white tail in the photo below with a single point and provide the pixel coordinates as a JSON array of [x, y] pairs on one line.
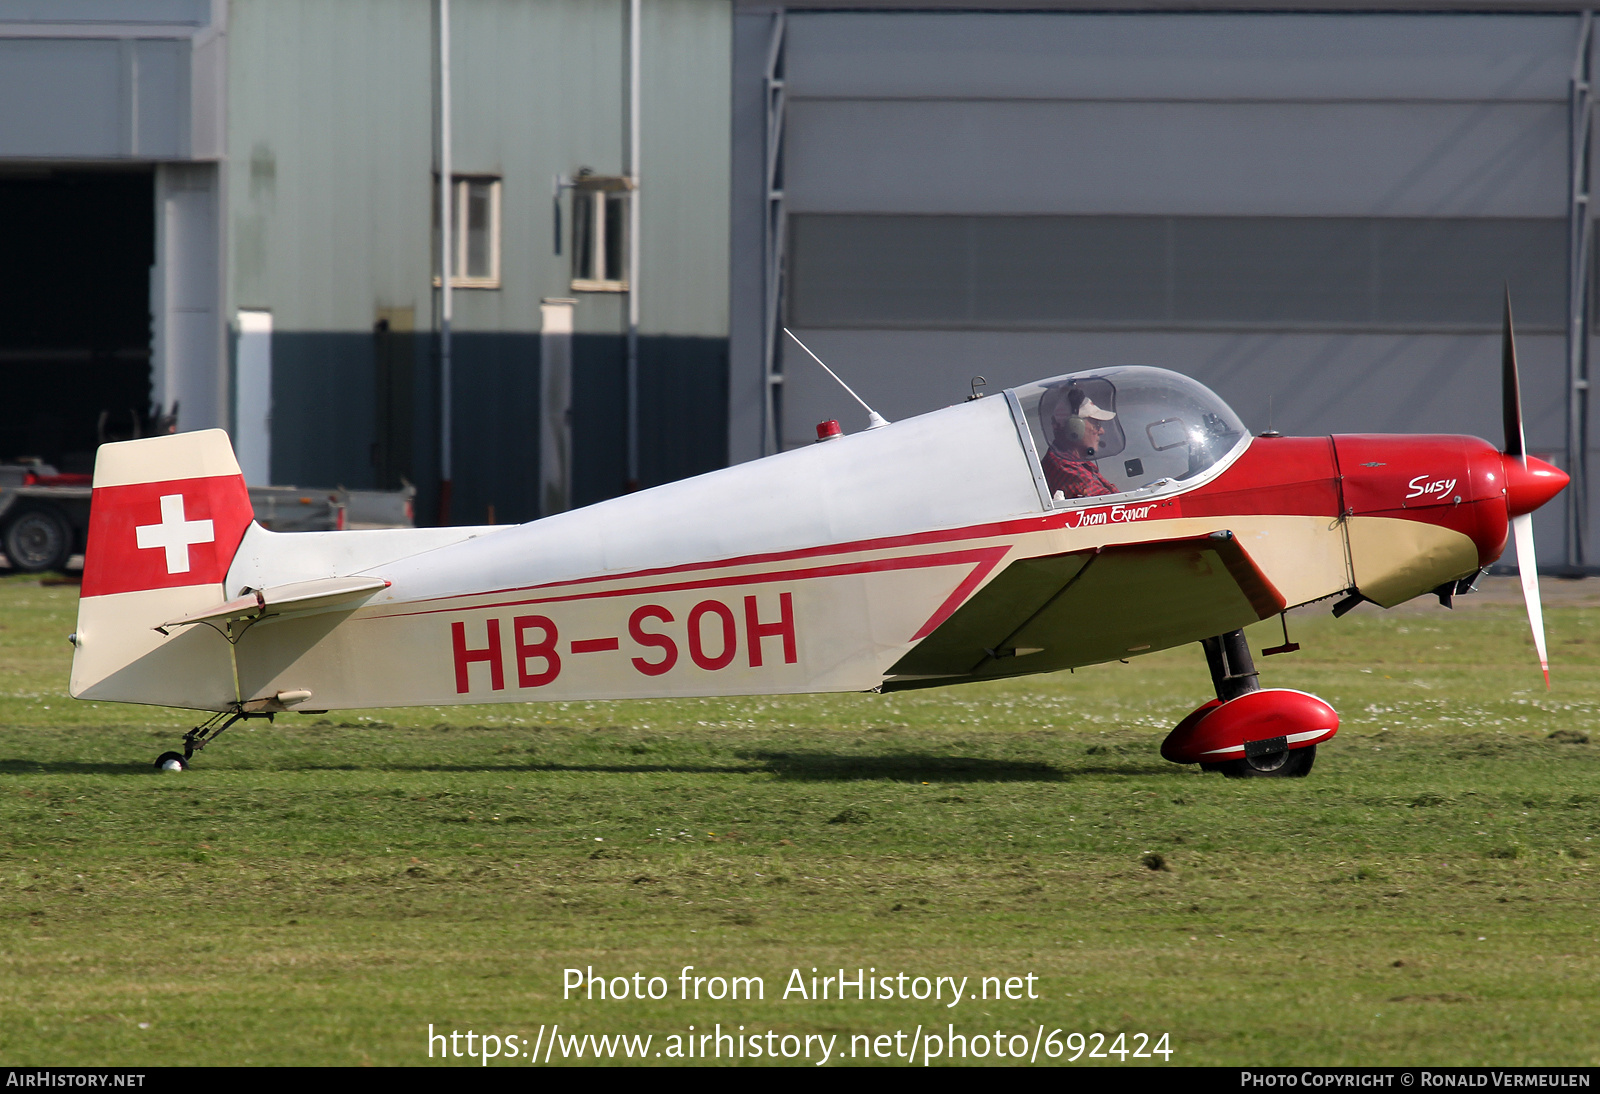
[[167, 517]]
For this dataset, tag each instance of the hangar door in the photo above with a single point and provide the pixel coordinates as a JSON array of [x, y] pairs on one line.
[[74, 310], [110, 139], [1312, 214]]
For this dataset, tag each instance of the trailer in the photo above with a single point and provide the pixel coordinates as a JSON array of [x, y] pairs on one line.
[[44, 514]]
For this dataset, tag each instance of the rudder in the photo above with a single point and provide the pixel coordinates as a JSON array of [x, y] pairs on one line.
[[165, 521]]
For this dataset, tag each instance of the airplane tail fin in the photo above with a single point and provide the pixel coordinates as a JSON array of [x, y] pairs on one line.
[[167, 516]]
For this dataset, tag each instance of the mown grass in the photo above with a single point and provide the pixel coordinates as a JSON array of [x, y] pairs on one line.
[[321, 889]]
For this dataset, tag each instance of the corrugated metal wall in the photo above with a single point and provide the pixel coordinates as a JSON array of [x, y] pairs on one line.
[[1331, 201]]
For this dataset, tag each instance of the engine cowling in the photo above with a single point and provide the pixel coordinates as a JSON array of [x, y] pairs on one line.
[[1424, 510]]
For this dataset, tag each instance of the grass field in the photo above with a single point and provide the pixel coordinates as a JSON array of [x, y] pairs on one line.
[[320, 890]]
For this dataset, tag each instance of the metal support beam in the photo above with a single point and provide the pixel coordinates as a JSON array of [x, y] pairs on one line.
[[446, 274], [775, 229], [1580, 236], [634, 30]]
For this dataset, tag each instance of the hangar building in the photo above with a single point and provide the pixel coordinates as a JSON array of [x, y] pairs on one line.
[[233, 206], [1314, 214]]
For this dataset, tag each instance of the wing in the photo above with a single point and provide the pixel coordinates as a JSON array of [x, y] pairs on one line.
[[1086, 607]]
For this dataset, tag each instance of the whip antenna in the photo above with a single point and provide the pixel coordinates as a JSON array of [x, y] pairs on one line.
[[874, 419]]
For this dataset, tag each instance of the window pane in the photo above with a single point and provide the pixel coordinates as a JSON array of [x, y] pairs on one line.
[[878, 269], [478, 240], [583, 235], [1073, 271], [455, 228], [1272, 269], [1039, 269], [1456, 270], [614, 204]]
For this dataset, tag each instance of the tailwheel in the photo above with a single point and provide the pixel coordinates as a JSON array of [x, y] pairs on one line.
[[203, 734], [1294, 763]]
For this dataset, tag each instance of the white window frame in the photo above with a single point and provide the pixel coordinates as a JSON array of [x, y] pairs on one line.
[[594, 192], [458, 233]]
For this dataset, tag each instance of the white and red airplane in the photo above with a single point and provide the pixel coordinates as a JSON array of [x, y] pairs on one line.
[[1083, 519]]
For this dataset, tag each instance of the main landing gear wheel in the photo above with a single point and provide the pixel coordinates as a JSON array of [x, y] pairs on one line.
[[171, 761], [1294, 763]]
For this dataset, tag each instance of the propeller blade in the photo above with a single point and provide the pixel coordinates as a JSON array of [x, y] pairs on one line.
[[1521, 525], [1510, 389], [1528, 571]]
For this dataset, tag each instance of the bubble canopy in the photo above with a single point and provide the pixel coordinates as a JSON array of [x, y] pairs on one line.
[[1124, 430]]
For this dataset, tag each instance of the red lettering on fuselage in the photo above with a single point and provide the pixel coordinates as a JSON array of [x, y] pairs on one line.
[[755, 630], [730, 635], [544, 649], [710, 632], [652, 640], [465, 657]]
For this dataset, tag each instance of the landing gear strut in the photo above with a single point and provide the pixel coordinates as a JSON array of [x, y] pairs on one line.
[[1247, 731], [1233, 670], [1233, 673], [202, 735]]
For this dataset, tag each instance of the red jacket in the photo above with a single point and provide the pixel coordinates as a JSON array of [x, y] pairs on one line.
[[1074, 478]]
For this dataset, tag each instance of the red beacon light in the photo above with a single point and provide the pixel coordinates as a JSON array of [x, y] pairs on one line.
[[829, 430]]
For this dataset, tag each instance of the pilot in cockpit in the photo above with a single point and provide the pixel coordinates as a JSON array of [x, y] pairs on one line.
[[1077, 429]]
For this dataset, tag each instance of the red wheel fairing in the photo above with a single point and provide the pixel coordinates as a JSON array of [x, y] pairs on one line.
[[1273, 719]]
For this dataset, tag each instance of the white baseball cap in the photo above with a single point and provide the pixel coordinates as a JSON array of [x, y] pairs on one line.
[[1087, 409]]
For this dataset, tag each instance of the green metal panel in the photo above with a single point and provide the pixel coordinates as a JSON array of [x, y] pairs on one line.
[[686, 166], [332, 131], [330, 156]]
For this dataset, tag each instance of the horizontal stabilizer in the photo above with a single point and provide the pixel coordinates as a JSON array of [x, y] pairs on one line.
[[296, 598]]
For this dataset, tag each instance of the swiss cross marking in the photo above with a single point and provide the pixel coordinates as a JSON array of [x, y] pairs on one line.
[[175, 533]]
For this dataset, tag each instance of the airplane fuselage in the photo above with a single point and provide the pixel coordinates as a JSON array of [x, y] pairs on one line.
[[819, 569]]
